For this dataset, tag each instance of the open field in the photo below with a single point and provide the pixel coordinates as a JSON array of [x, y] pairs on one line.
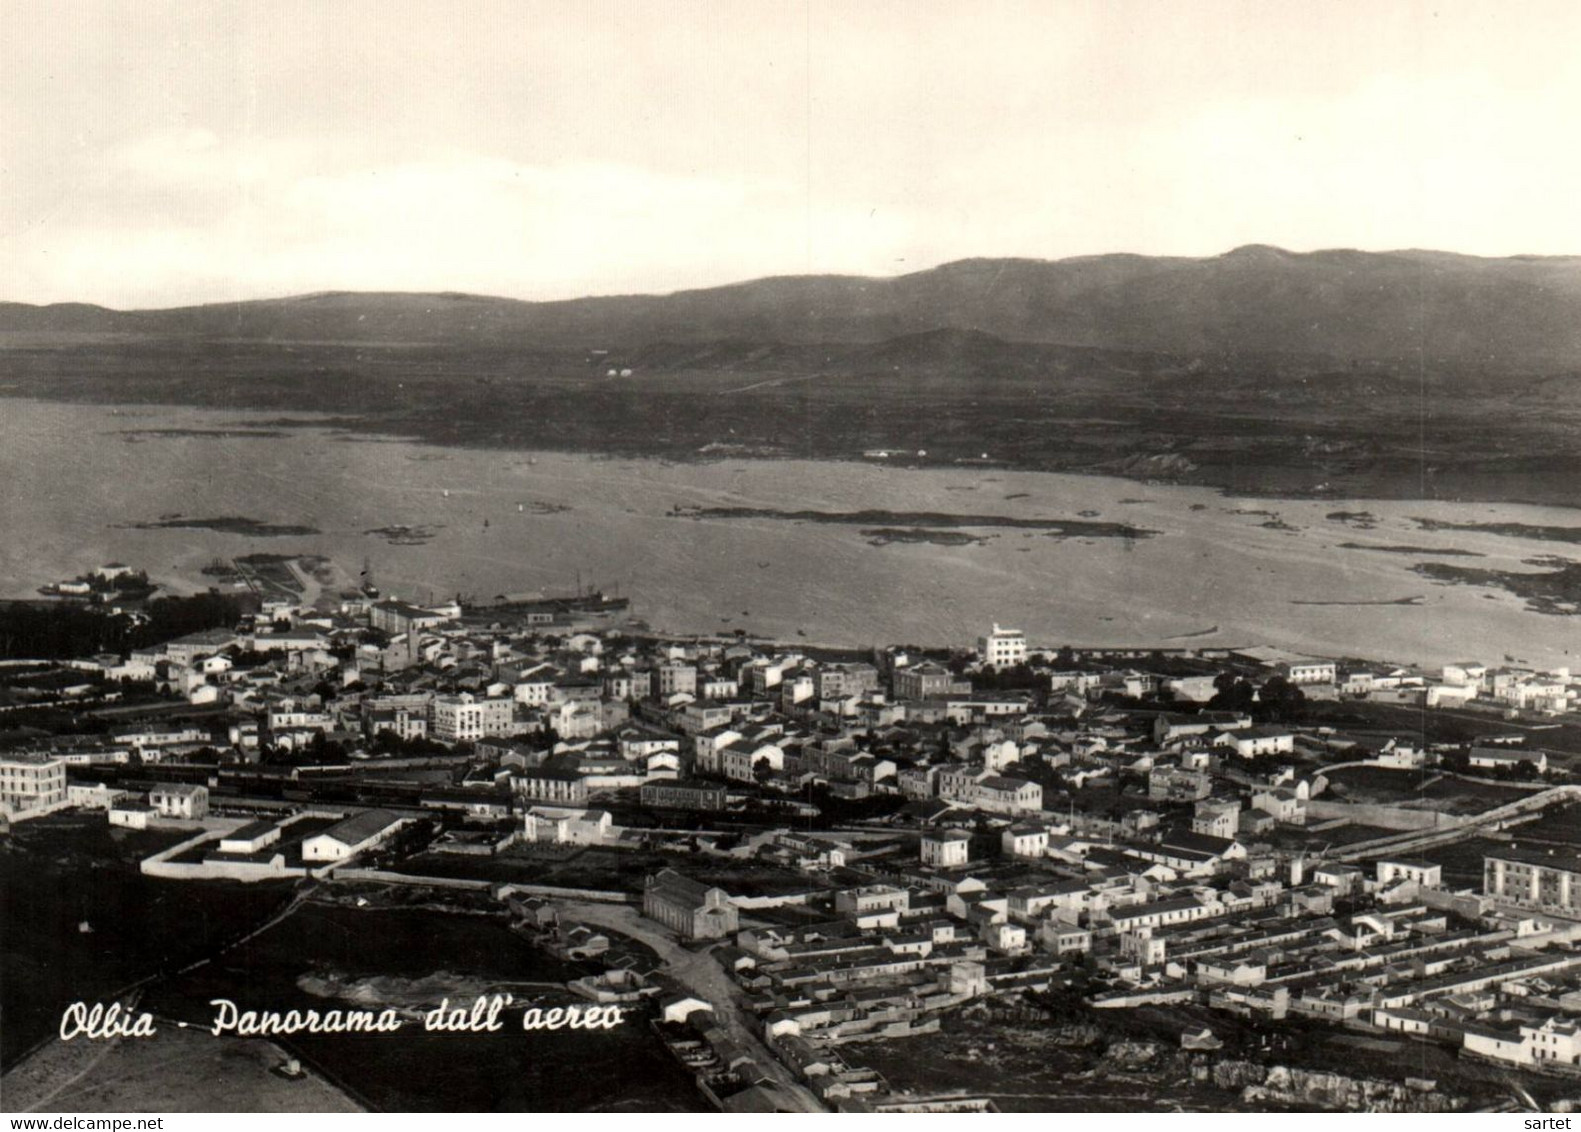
[[410, 958], [179, 1070], [1416, 789], [1559, 825], [59, 872], [1299, 837], [1273, 426], [1561, 739]]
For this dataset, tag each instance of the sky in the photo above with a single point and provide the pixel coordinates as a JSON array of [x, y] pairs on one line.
[[158, 153]]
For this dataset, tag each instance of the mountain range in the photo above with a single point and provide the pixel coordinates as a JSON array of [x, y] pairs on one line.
[[1520, 314]]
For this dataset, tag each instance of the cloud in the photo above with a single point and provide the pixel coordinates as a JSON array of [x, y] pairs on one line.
[[187, 216], [180, 216], [219, 152]]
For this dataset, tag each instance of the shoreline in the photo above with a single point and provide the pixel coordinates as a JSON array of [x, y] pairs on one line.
[[1214, 562]]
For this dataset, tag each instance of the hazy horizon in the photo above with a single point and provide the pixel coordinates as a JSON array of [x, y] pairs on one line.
[[723, 283]]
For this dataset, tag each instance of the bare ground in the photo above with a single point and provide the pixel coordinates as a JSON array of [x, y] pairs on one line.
[[178, 1070]]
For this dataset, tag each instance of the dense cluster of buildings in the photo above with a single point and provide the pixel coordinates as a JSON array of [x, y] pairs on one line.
[[1384, 946], [1138, 812], [569, 709]]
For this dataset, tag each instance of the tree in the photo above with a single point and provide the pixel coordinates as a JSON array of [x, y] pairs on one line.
[[1456, 762], [1234, 695], [1281, 700], [321, 750]]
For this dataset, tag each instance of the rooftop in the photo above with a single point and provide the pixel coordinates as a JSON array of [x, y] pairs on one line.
[[360, 827], [679, 889], [251, 830], [29, 758]]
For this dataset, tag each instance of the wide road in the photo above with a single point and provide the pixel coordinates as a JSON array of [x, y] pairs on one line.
[[701, 974]]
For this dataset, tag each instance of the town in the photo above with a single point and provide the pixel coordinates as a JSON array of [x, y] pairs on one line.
[[832, 851]]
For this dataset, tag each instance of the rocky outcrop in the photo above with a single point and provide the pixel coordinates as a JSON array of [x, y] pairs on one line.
[[1133, 1055], [1157, 465], [1283, 1085], [1076, 1035]]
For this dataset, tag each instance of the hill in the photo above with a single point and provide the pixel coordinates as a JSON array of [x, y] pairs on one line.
[[1520, 314]]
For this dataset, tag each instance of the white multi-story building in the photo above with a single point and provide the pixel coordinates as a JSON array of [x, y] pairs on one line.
[[1003, 648], [294, 718], [1466, 672], [947, 849], [675, 678], [465, 717], [566, 826], [1025, 841], [1425, 873], [180, 800], [1310, 671], [550, 784], [707, 747], [400, 722], [1556, 1040], [31, 781], [1252, 741], [871, 898], [534, 689], [1002, 794], [1216, 817]]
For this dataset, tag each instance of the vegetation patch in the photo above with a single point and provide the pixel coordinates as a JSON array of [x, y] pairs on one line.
[[1059, 528], [1415, 599], [1363, 520], [1406, 549], [400, 534], [1509, 530], [1554, 592], [229, 525], [883, 536], [214, 433]]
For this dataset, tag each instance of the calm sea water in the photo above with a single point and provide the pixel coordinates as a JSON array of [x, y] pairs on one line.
[[518, 522]]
